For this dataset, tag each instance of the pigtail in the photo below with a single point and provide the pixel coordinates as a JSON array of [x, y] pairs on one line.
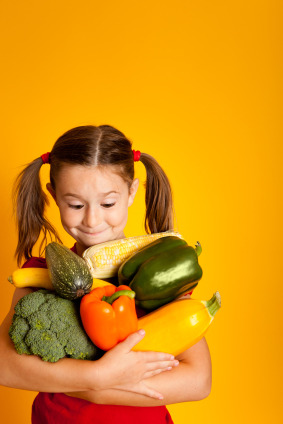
[[158, 197], [29, 205]]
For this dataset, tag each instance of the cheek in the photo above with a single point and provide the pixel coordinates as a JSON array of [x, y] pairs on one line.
[[67, 217], [119, 216]]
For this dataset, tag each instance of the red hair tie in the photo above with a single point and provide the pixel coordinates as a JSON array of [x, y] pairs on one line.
[[136, 155], [45, 157]]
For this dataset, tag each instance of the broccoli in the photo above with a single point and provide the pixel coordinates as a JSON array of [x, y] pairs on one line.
[[49, 326]]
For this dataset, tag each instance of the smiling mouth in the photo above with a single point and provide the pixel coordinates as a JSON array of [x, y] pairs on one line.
[[93, 234]]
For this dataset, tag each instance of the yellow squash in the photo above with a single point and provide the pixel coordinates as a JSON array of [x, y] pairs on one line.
[[39, 277], [31, 277], [175, 327]]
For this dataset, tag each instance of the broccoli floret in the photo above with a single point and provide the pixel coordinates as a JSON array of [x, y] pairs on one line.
[[49, 326], [45, 344], [18, 330], [39, 320]]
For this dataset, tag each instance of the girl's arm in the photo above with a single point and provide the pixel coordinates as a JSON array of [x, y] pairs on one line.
[[190, 381], [120, 368]]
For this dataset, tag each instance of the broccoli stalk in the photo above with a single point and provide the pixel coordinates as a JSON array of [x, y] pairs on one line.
[[49, 326]]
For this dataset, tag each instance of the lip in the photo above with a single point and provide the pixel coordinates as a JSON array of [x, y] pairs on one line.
[[92, 234]]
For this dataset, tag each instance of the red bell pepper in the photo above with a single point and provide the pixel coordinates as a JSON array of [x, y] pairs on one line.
[[109, 315]]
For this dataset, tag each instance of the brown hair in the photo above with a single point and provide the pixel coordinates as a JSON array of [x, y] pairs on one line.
[[87, 145]]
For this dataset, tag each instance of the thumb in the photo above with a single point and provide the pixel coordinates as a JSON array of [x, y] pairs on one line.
[[132, 340]]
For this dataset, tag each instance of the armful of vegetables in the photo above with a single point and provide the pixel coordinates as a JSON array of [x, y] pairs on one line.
[[52, 326]]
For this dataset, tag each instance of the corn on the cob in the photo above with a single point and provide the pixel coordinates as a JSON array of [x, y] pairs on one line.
[[105, 259]]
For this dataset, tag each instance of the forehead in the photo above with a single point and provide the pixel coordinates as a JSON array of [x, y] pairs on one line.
[[100, 179]]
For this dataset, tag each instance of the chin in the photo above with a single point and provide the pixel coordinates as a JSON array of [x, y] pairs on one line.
[[91, 241]]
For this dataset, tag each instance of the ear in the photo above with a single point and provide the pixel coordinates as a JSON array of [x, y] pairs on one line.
[[133, 191], [51, 191]]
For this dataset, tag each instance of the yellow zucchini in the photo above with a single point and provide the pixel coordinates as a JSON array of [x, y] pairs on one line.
[[31, 277], [99, 283], [177, 326], [39, 277]]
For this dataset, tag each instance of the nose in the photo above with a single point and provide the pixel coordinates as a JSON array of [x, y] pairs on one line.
[[92, 217]]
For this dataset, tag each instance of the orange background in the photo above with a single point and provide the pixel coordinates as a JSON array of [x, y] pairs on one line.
[[197, 84]]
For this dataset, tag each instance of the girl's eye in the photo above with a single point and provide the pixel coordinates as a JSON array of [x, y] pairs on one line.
[[76, 206], [108, 205]]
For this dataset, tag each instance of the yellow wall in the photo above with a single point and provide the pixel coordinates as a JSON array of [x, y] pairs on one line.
[[197, 84]]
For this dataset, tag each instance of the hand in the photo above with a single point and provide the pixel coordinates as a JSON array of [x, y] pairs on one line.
[[123, 369]]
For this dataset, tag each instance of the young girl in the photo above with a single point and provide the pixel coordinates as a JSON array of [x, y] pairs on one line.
[[92, 182]]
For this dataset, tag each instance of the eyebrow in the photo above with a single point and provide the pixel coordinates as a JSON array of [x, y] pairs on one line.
[[103, 194]]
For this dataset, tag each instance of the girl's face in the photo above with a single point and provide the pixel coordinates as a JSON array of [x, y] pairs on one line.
[[93, 203]]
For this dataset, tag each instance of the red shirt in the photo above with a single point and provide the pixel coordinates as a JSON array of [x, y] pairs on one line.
[[58, 408]]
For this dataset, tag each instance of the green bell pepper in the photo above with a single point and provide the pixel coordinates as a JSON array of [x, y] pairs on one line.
[[161, 271]]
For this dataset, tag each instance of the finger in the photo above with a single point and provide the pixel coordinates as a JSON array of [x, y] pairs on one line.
[[132, 340], [164, 365], [155, 372], [147, 356], [142, 389], [152, 393], [150, 356]]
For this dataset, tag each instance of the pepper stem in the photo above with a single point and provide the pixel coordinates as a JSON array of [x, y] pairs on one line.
[[110, 299], [198, 248], [10, 279]]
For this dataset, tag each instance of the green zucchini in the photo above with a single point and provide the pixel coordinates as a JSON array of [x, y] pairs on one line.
[[69, 273]]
